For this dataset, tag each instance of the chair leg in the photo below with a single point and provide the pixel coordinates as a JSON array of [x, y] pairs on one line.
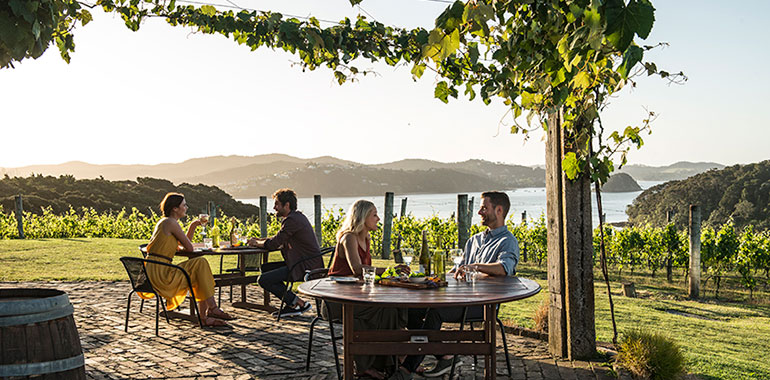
[[505, 346], [475, 357], [334, 343], [141, 305], [454, 358], [310, 342], [128, 309], [165, 314], [157, 312], [283, 299]]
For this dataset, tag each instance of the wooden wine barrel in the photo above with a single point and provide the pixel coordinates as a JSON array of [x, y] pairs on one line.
[[38, 336]]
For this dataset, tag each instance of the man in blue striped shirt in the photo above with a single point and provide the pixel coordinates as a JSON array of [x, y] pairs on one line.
[[493, 252]]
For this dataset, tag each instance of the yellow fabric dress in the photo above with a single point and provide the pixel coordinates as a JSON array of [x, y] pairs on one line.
[[171, 283]]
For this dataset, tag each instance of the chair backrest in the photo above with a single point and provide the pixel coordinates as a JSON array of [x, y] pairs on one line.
[[326, 250], [137, 274]]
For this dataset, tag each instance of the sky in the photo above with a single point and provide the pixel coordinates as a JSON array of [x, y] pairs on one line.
[[167, 94]]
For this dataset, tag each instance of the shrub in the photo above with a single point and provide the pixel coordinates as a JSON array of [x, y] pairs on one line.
[[649, 355]]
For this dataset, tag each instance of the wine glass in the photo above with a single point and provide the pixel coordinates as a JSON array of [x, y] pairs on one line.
[[407, 255], [457, 256], [204, 218]]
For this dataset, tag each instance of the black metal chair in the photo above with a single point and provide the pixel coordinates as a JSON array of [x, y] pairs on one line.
[[470, 321], [290, 282], [252, 263], [313, 275], [140, 282]]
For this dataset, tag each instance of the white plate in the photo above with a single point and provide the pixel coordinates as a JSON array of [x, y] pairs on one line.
[[344, 280], [418, 280]]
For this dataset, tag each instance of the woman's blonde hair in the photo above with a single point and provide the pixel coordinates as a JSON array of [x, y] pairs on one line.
[[355, 218]]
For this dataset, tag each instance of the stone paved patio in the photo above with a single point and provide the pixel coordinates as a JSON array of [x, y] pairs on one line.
[[256, 347]]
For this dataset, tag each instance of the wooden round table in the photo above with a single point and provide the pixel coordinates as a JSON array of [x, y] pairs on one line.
[[486, 292]]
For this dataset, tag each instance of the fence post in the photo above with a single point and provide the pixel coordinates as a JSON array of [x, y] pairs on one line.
[[523, 216], [694, 279], [470, 214], [20, 216], [403, 208], [463, 224], [211, 210], [263, 216], [317, 215], [386, 228]]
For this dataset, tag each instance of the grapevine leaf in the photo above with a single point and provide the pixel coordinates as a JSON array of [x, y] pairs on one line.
[[208, 10], [418, 70], [631, 57], [570, 165], [625, 21]]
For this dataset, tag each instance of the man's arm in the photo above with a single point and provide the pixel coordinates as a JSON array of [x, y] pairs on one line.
[[288, 228]]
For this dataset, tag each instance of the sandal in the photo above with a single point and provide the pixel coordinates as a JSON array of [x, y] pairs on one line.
[[214, 322], [220, 314]]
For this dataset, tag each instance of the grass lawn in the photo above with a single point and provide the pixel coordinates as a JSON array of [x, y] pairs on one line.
[[721, 340]]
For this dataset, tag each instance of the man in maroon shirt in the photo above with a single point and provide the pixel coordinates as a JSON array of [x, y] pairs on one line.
[[297, 243]]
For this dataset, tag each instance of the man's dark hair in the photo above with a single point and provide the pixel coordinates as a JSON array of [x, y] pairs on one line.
[[286, 196], [498, 198]]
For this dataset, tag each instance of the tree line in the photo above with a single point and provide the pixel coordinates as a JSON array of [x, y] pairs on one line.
[[739, 193], [64, 194]]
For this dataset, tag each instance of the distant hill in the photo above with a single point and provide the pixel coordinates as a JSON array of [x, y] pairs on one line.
[[621, 183], [250, 177], [676, 171], [177, 173], [740, 192], [144, 194], [334, 180], [511, 176]]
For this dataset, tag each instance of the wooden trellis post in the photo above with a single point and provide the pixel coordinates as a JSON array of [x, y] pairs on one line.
[[20, 216], [571, 329]]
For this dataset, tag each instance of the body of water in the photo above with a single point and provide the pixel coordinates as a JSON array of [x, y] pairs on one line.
[[531, 200]]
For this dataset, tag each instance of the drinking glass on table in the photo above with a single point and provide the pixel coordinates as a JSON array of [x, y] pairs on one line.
[[457, 257], [407, 255], [369, 273], [471, 274]]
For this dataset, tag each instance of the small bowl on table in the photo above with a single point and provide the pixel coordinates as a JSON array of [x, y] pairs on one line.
[[418, 280]]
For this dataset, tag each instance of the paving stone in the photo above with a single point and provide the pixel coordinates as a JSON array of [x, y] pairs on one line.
[[255, 347]]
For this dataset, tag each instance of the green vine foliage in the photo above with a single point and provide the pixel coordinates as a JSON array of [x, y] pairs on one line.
[[28, 27], [539, 57]]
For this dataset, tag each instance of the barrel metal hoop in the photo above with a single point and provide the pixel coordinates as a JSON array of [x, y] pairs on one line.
[[31, 306], [40, 368], [59, 312]]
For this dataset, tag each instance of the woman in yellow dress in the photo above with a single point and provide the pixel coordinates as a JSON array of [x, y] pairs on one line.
[[167, 239]]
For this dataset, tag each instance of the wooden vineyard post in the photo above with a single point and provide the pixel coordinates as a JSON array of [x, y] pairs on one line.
[[387, 224], [263, 216], [403, 208], [463, 224], [694, 231], [571, 329], [317, 209], [20, 216]]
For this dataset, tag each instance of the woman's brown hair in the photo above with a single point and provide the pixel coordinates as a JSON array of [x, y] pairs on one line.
[[170, 201]]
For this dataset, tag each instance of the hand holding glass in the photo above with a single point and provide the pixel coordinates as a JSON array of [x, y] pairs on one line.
[[204, 218]]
